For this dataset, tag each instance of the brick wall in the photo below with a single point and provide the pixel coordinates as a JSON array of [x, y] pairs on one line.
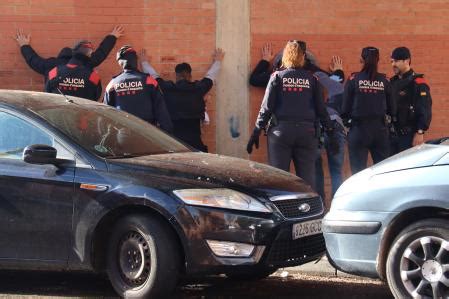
[[344, 27], [172, 31], [184, 30]]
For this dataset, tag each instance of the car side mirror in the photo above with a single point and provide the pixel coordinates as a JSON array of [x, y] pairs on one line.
[[39, 154], [42, 154]]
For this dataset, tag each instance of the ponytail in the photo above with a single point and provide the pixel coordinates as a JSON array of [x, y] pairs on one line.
[[370, 56]]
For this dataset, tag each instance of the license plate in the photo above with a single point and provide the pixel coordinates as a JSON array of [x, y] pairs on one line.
[[307, 228]]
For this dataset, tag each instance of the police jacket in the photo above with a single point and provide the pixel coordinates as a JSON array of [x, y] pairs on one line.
[[44, 65], [137, 93], [366, 99], [75, 78], [293, 95], [411, 93], [185, 99]]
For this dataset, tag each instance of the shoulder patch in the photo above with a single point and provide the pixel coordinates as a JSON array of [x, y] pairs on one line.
[[420, 81], [53, 73], [94, 78], [151, 81]]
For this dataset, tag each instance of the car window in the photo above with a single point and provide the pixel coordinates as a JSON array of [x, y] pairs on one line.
[[108, 132], [17, 133]]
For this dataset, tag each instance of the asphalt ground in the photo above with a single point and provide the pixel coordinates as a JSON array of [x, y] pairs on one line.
[[308, 281]]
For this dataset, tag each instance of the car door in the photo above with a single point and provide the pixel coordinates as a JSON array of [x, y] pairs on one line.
[[36, 201]]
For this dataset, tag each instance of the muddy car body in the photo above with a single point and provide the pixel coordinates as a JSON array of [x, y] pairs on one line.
[[84, 186]]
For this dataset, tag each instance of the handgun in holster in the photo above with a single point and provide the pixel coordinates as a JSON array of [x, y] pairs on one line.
[[271, 123], [319, 134]]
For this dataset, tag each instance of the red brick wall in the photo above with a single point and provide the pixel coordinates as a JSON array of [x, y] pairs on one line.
[[172, 32], [344, 27], [184, 30]]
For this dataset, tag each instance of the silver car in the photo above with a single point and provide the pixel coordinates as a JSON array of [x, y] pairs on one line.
[[391, 221]]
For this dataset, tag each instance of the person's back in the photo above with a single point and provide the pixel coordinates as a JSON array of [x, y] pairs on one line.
[[137, 93], [369, 96], [185, 99], [76, 78], [296, 97], [131, 91]]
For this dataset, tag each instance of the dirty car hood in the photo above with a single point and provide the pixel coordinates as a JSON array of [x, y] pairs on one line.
[[219, 169]]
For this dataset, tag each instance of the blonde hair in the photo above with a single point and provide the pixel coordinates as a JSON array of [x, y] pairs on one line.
[[293, 55]]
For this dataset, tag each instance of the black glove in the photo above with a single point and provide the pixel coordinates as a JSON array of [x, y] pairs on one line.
[[333, 145], [253, 140]]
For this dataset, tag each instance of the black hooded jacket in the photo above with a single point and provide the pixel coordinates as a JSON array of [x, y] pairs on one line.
[[44, 65], [185, 99]]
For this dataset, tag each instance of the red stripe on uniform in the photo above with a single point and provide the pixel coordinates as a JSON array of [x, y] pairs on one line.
[[53, 73], [151, 81], [94, 78], [420, 81], [71, 66]]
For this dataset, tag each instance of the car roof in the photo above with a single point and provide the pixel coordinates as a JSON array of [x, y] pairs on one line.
[[34, 100]]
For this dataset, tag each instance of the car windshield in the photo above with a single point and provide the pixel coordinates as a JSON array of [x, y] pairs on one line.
[[108, 132]]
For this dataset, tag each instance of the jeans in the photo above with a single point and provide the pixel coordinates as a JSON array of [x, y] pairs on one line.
[[335, 162]]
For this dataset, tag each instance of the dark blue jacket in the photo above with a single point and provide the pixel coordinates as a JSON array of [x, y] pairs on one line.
[[138, 93]]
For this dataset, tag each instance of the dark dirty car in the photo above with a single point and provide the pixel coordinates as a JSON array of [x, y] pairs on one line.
[[85, 187], [392, 221]]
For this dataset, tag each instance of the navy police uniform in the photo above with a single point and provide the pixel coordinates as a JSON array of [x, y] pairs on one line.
[[365, 106], [411, 94], [293, 99], [75, 79], [137, 93]]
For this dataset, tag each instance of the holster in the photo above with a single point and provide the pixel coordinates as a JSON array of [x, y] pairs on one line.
[[271, 123]]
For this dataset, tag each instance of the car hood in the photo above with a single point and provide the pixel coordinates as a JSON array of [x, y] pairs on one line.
[[218, 170], [418, 156]]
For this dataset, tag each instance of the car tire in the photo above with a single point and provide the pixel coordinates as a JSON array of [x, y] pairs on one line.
[[143, 258], [252, 274], [418, 261]]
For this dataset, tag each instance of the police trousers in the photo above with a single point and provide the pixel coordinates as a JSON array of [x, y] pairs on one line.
[[296, 141], [364, 137], [401, 142]]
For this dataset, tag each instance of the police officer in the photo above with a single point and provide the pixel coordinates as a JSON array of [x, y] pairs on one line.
[[185, 98], [76, 78], [44, 65], [367, 100], [294, 98], [137, 93], [411, 94]]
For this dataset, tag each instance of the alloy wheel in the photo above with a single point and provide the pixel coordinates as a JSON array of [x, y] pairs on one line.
[[424, 268]]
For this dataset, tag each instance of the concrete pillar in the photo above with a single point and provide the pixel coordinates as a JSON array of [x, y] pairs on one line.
[[233, 36]]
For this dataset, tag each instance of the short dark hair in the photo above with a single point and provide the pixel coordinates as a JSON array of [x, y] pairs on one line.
[[183, 68]]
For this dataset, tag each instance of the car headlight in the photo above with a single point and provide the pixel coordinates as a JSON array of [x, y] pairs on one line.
[[221, 198]]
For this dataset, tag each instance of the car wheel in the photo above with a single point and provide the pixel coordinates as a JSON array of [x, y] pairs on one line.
[[143, 258], [418, 261], [252, 274]]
